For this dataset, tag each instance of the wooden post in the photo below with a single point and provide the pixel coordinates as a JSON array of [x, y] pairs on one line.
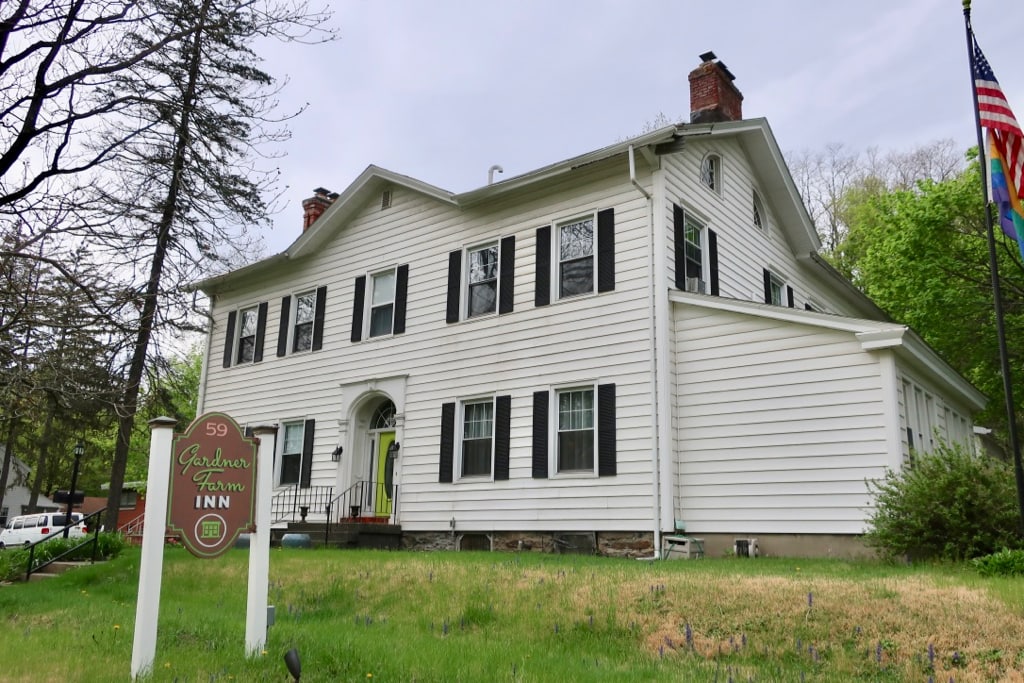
[[259, 544]]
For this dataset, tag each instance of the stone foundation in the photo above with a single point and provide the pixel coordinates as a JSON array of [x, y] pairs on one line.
[[634, 544]]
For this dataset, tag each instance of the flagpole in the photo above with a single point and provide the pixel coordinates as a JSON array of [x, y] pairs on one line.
[[1004, 362]]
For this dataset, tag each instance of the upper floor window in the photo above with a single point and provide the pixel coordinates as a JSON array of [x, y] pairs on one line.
[[484, 285], [482, 288], [243, 335], [696, 253], [248, 318], [576, 257], [776, 291], [758, 210], [382, 303], [384, 307], [711, 172], [302, 333]]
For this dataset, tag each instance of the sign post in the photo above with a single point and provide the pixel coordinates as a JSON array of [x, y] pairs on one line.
[[147, 607], [259, 544]]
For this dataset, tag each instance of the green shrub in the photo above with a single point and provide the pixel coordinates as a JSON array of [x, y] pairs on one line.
[[14, 562], [1004, 563], [948, 505]]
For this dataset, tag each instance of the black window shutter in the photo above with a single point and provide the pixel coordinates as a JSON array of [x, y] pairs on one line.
[[713, 260], [454, 286], [447, 460], [679, 237], [789, 296], [507, 264], [606, 465], [357, 308], [540, 434], [282, 327], [261, 332], [606, 250], [542, 287], [401, 293], [502, 429], [767, 286], [318, 318], [307, 454], [248, 432], [229, 339]]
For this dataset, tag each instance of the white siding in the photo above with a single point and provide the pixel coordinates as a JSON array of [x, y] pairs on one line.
[[600, 338], [777, 425]]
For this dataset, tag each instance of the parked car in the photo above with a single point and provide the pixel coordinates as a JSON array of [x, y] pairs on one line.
[[27, 529]]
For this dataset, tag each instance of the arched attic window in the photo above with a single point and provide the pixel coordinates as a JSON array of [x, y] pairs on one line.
[[711, 173], [759, 216]]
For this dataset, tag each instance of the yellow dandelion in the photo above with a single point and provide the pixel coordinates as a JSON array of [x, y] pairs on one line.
[[117, 627], [369, 675], [167, 665], [263, 652]]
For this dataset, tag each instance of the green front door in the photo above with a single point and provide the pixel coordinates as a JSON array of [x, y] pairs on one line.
[[384, 478]]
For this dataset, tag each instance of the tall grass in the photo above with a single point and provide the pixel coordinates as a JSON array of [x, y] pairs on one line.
[[397, 616]]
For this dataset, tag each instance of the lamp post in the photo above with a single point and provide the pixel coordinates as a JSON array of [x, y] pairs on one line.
[[78, 451]]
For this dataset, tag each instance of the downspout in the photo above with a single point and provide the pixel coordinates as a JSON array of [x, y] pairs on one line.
[[201, 399], [652, 335]]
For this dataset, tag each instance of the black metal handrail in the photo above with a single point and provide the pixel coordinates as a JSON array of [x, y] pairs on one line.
[[94, 540], [288, 503], [360, 496]]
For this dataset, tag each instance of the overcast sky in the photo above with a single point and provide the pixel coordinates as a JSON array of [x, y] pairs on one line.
[[442, 89]]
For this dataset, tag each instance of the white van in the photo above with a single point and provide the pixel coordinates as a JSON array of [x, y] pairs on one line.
[[27, 529]]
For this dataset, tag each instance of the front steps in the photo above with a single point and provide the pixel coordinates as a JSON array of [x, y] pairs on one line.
[[358, 534]]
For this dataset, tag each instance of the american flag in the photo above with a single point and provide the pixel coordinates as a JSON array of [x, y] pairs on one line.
[[995, 114]]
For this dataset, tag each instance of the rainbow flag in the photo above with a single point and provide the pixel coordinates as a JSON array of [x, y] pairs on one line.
[[1005, 196]]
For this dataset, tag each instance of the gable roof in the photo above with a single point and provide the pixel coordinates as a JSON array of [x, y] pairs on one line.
[[754, 135]]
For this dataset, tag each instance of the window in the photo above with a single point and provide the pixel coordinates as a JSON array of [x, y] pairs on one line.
[[477, 438], [247, 334], [302, 333], [696, 253], [758, 212], [243, 335], [482, 443], [306, 327], [776, 291], [711, 172], [486, 284], [575, 442], [585, 256], [291, 453], [382, 303], [576, 257], [482, 289]]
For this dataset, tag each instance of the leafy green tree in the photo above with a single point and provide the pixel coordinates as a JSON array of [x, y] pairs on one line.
[[948, 505]]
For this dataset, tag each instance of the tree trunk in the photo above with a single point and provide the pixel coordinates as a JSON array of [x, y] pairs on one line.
[[126, 419]]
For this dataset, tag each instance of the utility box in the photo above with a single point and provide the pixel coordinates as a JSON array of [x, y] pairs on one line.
[[746, 547]]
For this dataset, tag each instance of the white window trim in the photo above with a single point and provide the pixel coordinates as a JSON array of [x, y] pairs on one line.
[[279, 459], [778, 278], [464, 290], [236, 343], [717, 189], [556, 253], [553, 470], [460, 427], [293, 321], [368, 303]]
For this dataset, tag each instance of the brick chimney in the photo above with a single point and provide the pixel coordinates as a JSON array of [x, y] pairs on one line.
[[713, 97], [315, 206]]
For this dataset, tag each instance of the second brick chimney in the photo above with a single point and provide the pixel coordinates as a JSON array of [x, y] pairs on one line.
[[315, 206], [713, 97]]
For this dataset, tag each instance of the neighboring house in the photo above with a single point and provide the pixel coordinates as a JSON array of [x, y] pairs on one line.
[[638, 335], [19, 491]]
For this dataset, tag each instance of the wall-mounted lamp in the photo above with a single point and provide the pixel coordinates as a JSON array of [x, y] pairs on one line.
[[336, 454], [393, 449]]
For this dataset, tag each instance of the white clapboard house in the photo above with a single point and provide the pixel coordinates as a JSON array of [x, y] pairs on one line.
[[592, 353]]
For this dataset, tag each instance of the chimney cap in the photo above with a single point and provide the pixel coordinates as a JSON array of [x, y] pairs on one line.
[[710, 56]]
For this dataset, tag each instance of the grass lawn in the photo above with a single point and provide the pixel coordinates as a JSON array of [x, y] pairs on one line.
[[398, 616]]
